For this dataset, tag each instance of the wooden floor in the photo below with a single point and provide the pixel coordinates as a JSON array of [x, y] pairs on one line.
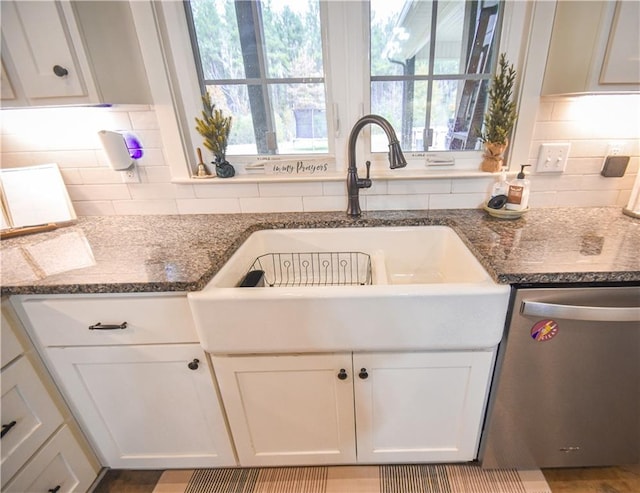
[[584, 480]]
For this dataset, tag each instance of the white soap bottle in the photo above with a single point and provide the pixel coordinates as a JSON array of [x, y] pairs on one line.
[[501, 187], [518, 195]]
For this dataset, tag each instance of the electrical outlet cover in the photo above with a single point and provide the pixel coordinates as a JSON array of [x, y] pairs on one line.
[[614, 166]]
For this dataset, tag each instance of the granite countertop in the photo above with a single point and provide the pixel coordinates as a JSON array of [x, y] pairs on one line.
[[125, 254]]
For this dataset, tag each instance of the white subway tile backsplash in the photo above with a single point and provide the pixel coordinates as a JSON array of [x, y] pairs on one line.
[[395, 202], [149, 138], [418, 186], [554, 181], [69, 137], [94, 208], [99, 176], [599, 182], [334, 187], [288, 189], [143, 120], [470, 185], [542, 199], [457, 200], [146, 191], [271, 204], [157, 174], [152, 157], [324, 203], [71, 176], [99, 192], [221, 189], [139, 207], [579, 198], [208, 206]]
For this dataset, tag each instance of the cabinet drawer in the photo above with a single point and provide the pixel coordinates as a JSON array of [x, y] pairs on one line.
[[29, 416], [61, 462], [66, 321]]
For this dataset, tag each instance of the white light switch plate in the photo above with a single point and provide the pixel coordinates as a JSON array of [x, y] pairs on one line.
[[552, 158]]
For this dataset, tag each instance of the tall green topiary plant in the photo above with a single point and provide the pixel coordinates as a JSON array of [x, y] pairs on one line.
[[215, 128], [500, 116]]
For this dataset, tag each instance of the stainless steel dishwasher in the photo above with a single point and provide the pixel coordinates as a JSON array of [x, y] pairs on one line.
[[567, 386]]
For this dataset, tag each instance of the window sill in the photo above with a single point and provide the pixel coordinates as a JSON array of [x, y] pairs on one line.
[[391, 175]]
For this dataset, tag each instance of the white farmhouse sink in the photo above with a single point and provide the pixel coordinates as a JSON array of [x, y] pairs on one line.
[[426, 291]]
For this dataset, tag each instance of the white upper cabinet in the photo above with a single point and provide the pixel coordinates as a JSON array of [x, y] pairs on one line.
[[595, 47], [58, 52]]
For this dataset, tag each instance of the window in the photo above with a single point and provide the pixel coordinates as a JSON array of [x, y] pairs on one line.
[[431, 62], [263, 63]]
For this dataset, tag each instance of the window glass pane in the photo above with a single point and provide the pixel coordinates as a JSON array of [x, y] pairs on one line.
[[262, 63], [233, 100], [466, 120], [216, 30], [438, 104], [386, 37], [300, 118], [451, 46], [292, 38]]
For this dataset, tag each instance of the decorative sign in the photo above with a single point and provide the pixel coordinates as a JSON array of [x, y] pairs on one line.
[[300, 167], [544, 330]]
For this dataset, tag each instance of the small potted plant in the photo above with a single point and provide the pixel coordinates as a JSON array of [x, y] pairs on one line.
[[215, 128], [500, 116]]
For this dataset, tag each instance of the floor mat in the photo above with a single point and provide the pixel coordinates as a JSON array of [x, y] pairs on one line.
[[415, 478]]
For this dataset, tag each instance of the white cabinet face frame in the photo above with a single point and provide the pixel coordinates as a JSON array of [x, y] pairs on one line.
[[420, 407], [26, 402], [146, 406], [291, 409]]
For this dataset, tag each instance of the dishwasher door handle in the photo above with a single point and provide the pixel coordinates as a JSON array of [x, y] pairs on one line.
[[588, 313]]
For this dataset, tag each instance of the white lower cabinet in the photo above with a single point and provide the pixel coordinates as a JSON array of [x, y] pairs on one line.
[[135, 376], [408, 407], [146, 406]]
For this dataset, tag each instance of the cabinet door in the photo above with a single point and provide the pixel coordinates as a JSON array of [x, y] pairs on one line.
[[289, 410], [37, 39], [621, 65], [29, 416], [420, 407], [59, 466], [145, 406]]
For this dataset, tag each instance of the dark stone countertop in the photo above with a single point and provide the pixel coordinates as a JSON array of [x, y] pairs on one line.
[[126, 254]]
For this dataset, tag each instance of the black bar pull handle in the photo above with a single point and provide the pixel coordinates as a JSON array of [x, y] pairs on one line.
[[99, 326], [54, 490], [7, 427]]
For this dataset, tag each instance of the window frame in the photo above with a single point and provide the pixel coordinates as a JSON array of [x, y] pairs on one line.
[[170, 62]]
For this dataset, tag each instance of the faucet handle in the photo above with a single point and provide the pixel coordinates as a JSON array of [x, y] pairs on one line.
[[368, 165]]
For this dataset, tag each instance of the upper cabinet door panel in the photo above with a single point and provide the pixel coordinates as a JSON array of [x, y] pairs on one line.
[[37, 38], [622, 59]]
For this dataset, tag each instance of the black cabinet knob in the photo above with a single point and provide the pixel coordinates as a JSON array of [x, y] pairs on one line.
[[60, 71], [194, 364], [342, 374], [363, 373]]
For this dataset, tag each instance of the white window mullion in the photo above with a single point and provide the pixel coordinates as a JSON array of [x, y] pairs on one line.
[[347, 71]]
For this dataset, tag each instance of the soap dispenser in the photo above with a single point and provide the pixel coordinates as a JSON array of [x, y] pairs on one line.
[[518, 195], [501, 187]]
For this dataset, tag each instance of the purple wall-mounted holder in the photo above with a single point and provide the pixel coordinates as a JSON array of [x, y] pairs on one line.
[[134, 146]]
